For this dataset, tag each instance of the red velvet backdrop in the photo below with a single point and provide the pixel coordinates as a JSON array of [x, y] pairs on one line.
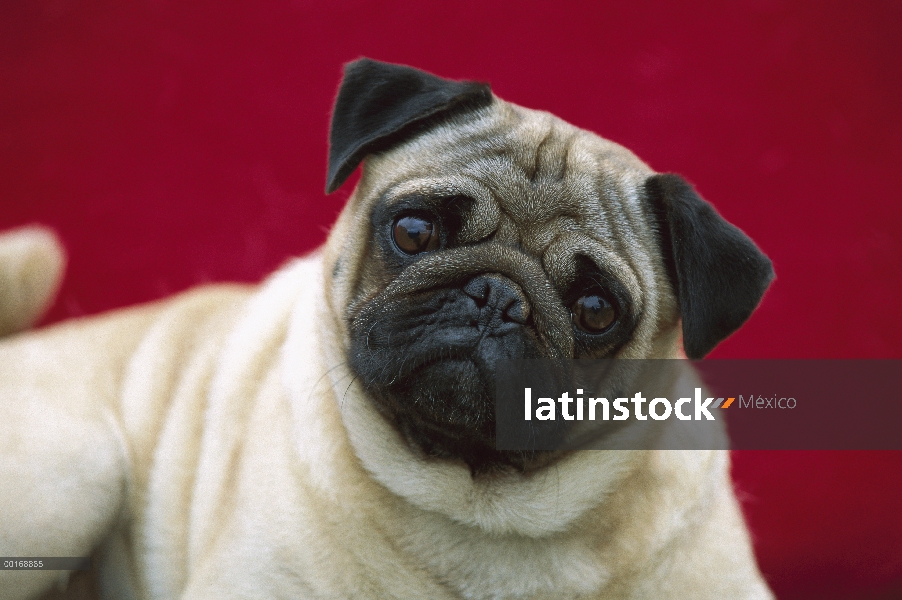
[[172, 144]]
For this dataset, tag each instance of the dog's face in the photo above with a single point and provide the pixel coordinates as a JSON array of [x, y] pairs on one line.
[[483, 231]]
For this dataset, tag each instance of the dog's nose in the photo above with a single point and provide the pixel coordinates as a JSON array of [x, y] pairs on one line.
[[499, 295]]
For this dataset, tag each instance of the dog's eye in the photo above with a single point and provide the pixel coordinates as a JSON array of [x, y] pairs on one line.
[[413, 234], [592, 313]]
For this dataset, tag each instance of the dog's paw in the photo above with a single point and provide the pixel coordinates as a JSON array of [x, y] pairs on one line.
[[32, 261]]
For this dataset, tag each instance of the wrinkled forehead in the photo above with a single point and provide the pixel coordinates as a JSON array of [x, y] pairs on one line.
[[536, 182]]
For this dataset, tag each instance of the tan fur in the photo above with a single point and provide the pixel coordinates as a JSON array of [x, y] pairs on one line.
[[217, 445], [31, 266]]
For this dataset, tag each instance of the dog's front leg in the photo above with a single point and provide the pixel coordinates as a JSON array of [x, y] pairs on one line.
[[63, 466]]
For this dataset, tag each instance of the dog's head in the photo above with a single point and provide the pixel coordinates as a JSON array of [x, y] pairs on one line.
[[483, 231]]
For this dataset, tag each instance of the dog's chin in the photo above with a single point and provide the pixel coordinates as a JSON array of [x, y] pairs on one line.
[[445, 410]]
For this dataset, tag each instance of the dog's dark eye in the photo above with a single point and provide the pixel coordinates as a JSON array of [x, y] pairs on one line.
[[592, 313], [413, 234]]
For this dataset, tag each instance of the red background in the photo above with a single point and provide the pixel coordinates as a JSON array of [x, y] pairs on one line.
[[172, 144]]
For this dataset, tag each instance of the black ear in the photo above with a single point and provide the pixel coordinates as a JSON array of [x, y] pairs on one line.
[[718, 273], [379, 104]]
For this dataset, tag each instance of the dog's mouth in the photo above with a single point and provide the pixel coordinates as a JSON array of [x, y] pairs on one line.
[[443, 404], [436, 383]]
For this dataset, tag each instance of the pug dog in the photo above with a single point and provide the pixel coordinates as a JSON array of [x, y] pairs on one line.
[[330, 434]]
